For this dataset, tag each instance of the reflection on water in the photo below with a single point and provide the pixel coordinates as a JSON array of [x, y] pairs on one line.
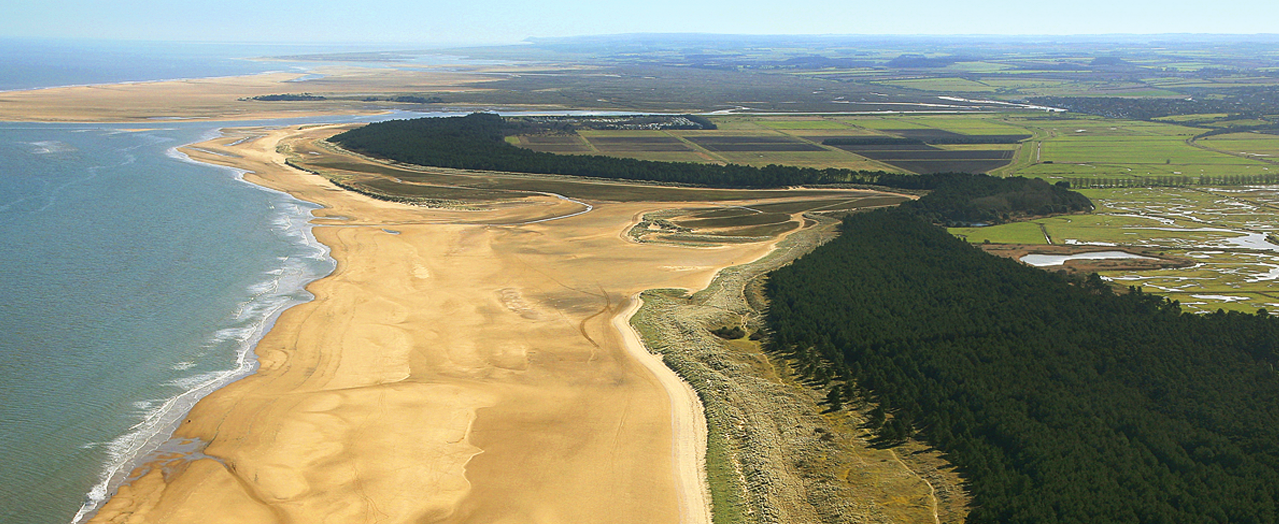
[[1057, 260]]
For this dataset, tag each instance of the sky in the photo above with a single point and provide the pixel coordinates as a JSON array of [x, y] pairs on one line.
[[467, 22]]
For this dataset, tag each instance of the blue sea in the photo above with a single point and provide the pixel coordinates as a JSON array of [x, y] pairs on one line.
[[30, 64], [133, 281]]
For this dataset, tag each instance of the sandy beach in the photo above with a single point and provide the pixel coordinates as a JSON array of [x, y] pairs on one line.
[[458, 366]]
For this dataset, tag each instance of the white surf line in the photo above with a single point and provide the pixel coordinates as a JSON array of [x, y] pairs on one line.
[[688, 422]]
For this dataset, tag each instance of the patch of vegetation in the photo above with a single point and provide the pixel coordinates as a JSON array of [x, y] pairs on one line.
[[406, 99], [729, 332], [288, 97], [1059, 401], [967, 200]]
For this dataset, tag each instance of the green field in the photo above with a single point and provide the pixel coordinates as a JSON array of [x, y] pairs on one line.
[[1086, 147], [951, 85], [972, 125], [1090, 148], [1202, 117], [1263, 147], [1222, 231], [886, 123], [978, 67], [804, 124]]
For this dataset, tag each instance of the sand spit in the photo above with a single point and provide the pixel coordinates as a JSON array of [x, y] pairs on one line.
[[461, 370]]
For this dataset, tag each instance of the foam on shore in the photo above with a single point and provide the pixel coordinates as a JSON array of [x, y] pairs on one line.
[[281, 289]]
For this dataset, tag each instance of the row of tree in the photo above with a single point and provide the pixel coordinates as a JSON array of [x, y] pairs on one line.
[[1175, 181], [287, 97], [477, 141], [958, 200], [1058, 400]]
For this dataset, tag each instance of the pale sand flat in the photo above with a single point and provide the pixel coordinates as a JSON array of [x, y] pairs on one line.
[[453, 372]]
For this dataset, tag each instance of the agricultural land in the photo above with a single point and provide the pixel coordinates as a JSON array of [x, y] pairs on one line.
[[1140, 173]]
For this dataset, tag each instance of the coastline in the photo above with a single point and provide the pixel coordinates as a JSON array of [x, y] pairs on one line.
[[688, 418], [472, 439], [147, 441]]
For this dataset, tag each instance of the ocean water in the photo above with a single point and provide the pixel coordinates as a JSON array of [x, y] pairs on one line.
[[36, 63], [31, 63], [133, 281]]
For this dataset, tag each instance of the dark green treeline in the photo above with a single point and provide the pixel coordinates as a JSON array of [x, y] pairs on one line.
[[477, 142], [1058, 400]]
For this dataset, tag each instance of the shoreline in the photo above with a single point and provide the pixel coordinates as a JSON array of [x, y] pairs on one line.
[[148, 438], [688, 418], [475, 436]]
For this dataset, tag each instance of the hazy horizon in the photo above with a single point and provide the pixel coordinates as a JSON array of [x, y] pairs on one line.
[[274, 48], [487, 22]]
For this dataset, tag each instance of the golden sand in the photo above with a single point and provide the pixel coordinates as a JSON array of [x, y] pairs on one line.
[[451, 371]]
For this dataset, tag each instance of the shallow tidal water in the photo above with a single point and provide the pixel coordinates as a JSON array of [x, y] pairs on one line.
[[134, 282]]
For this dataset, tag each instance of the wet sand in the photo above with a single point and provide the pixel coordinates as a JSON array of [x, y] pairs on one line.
[[462, 369]]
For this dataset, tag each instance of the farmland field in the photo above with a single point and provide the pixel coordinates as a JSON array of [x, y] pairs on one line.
[[804, 124], [798, 140], [637, 143], [554, 143], [1053, 147], [1259, 146], [1098, 148], [752, 143]]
